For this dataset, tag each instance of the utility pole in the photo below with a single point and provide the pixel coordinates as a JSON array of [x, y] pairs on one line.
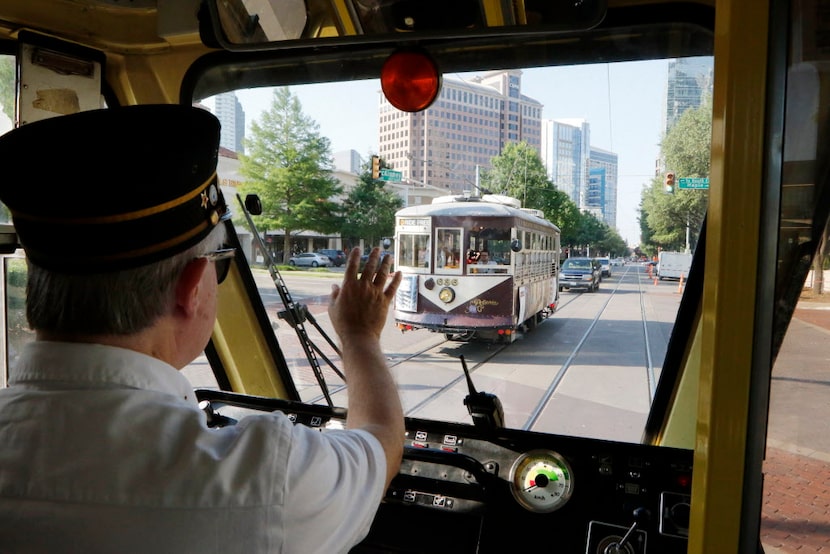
[[688, 249]]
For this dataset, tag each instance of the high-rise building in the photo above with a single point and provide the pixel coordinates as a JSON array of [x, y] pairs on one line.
[[689, 81], [467, 125], [232, 118], [600, 196], [566, 147], [588, 175], [347, 160]]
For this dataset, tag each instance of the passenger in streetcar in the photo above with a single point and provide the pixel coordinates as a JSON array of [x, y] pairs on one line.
[[105, 448], [483, 260]]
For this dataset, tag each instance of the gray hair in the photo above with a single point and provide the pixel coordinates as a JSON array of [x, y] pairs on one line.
[[117, 303]]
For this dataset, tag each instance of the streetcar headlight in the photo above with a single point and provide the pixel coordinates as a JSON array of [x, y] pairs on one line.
[[446, 295]]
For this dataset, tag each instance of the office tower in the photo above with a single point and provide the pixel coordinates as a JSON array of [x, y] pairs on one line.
[[600, 197], [566, 147], [689, 81], [230, 114], [467, 125], [348, 161]]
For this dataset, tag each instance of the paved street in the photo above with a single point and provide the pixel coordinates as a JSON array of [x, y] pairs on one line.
[[796, 509]]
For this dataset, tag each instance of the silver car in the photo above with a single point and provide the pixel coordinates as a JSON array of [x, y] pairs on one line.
[[310, 259]]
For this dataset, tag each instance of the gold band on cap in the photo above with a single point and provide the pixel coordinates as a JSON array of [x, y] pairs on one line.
[[119, 218]]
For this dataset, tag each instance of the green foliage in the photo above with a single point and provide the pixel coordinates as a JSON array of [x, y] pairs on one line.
[[664, 216], [7, 89], [369, 209], [7, 85], [288, 164], [519, 172]]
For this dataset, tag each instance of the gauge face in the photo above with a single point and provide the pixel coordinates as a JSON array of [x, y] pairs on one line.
[[541, 480]]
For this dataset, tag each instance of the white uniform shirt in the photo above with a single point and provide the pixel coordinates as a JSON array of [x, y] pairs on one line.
[[104, 449]]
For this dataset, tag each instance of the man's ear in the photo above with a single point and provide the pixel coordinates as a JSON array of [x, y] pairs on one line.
[[187, 287]]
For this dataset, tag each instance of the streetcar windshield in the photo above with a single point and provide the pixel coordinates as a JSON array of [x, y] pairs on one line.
[[588, 156], [577, 264]]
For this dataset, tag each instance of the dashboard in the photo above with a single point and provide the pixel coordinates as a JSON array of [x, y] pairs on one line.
[[471, 488]]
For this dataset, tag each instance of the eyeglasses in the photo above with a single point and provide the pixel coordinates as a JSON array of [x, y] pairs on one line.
[[222, 258]]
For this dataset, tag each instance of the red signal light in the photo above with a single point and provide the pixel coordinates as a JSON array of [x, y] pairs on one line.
[[670, 182], [410, 80]]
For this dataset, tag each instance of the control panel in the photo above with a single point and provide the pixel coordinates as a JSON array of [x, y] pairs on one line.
[[465, 488]]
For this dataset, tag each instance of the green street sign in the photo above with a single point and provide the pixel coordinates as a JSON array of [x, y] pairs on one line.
[[390, 175], [693, 183]]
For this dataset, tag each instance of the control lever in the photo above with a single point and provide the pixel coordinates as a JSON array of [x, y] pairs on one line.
[[214, 418], [641, 515], [485, 408]]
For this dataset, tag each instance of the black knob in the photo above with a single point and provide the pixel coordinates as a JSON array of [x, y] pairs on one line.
[[680, 513], [641, 515]]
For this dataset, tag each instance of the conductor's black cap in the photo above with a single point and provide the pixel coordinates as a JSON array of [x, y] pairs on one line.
[[114, 189]]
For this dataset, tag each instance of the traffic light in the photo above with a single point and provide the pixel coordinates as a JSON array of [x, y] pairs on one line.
[[375, 167], [670, 182]]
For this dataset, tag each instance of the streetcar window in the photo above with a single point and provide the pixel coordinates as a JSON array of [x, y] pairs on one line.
[[413, 250], [448, 249], [17, 328], [495, 240]]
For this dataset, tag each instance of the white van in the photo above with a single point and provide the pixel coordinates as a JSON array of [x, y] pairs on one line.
[[673, 265]]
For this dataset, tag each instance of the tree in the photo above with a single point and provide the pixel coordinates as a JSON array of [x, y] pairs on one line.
[[289, 165], [686, 150], [369, 209], [7, 84], [611, 242], [518, 171]]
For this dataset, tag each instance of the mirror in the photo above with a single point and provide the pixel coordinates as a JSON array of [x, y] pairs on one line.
[[268, 24], [516, 245], [253, 204]]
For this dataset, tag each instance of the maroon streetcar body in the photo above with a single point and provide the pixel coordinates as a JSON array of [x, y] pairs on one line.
[[475, 267]]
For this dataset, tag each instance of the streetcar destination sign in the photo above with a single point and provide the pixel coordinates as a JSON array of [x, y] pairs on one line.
[[693, 183]]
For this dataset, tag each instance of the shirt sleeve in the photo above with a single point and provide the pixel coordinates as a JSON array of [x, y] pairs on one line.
[[334, 483]]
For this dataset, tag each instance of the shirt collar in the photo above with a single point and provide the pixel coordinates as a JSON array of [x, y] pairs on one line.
[[82, 365]]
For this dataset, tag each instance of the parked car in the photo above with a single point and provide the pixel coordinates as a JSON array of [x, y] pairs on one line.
[[580, 273], [310, 259], [365, 257], [606, 266], [337, 257]]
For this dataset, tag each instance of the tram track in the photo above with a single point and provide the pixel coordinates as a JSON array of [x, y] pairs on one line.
[[412, 411], [569, 362], [425, 393], [436, 356]]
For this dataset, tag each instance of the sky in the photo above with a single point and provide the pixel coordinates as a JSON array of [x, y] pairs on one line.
[[622, 103]]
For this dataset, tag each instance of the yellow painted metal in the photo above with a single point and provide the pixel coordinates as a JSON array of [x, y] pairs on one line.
[[141, 65], [108, 27], [249, 364], [680, 428], [150, 80], [493, 14], [729, 297], [345, 18]]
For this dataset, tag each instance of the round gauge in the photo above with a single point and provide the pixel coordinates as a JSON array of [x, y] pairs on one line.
[[541, 480]]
